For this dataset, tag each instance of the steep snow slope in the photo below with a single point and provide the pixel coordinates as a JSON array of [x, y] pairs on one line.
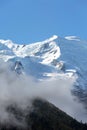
[[74, 54], [54, 57], [36, 59]]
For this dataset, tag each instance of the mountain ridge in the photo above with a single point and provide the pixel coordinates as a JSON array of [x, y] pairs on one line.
[[46, 52], [55, 57]]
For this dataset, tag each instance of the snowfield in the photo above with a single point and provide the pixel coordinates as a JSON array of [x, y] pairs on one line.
[[54, 57]]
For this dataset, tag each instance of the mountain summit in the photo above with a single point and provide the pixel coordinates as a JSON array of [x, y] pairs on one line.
[[41, 59], [55, 57]]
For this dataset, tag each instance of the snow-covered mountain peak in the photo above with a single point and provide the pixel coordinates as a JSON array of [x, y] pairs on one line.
[[54, 56], [7, 43], [46, 50], [54, 37]]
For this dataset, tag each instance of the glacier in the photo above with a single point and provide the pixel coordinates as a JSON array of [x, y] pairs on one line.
[[39, 59], [55, 57]]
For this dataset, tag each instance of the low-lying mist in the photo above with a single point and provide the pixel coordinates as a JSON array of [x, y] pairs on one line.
[[21, 89]]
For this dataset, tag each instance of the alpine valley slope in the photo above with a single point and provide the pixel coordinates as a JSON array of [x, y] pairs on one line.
[[55, 57]]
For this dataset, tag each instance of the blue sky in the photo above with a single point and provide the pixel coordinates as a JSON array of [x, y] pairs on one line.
[[26, 21]]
